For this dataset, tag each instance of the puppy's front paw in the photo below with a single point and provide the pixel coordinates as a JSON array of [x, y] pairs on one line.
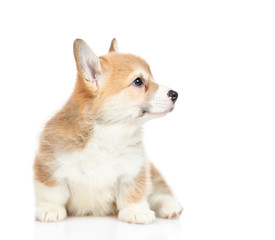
[[136, 214], [169, 208], [53, 214]]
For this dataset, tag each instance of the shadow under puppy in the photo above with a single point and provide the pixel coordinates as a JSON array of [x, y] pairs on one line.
[[91, 159]]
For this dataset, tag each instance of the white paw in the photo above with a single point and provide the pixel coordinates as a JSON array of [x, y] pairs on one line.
[[135, 214], [170, 208], [50, 214]]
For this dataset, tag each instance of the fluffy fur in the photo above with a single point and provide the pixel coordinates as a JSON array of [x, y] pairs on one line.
[[91, 159]]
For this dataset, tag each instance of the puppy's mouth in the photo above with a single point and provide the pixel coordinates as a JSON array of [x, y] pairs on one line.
[[147, 112]]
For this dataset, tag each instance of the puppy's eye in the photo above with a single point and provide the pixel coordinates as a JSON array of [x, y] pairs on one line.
[[138, 82]]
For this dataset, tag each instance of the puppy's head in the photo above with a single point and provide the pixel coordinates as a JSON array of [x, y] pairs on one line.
[[119, 87]]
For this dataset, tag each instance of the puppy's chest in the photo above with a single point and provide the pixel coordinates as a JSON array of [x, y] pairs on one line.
[[105, 158]]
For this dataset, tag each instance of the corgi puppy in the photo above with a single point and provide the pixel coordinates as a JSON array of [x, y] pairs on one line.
[[91, 160]]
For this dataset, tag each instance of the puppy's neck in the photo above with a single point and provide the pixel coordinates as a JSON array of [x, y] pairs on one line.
[[118, 134]]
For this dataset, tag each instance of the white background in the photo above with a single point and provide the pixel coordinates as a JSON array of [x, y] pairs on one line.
[[216, 149]]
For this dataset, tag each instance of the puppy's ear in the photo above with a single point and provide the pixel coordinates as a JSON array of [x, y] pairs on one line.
[[114, 46], [87, 63]]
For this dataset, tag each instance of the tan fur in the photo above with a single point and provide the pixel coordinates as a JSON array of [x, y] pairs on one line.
[[139, 188], [113, 46], [158, 183], [68, 130], [149, 176]]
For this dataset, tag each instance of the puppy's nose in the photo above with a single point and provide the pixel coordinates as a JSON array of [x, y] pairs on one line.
[[173, 95]]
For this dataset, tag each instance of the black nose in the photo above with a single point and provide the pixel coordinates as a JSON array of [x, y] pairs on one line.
[[173, 95]]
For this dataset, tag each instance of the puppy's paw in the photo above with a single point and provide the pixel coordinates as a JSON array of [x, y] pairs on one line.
[[169, 208], [53, 214], [136, 214]]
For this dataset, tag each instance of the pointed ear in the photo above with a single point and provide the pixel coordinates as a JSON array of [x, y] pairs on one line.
[[114, 46], [87, 63]]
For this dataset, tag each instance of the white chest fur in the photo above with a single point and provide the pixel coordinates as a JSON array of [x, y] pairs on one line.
[[93, 173]]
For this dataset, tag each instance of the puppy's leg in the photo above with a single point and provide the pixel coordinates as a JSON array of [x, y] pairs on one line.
[[50, 202], [161, 199], [132, 199]]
